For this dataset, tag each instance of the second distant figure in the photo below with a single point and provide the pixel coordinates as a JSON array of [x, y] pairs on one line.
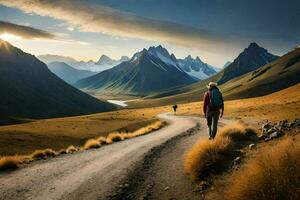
[[175, 108], [213, 103]]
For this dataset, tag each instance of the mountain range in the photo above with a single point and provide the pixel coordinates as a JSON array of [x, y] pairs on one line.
[[102, 64], [30, 90], [274, 73], [68, 73], [146, 72], [196, 68]]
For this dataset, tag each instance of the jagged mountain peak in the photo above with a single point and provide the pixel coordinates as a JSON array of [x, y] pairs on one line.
[[253, 57], [104, 59]]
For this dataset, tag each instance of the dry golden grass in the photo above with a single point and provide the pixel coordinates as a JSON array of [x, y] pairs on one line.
[[91, 144], [114, 137], [273, 174], [101, 140], [9, 162], [239, 131], [208, 157], [62, 151], [71, 149], [40, 154]]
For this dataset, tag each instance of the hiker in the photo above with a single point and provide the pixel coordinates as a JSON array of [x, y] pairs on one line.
[[213, 103], [175, 107]]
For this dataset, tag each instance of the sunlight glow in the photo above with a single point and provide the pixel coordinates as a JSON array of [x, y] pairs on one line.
[[9, 37]]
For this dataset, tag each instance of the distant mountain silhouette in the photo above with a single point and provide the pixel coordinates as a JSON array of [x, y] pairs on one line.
[[49, 58], [147, 71], [68, 73], [102, 64], [250, 59], [196, 68], [30, 90]]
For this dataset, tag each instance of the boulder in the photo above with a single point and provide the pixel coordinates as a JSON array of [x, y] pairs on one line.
[[251, 146]]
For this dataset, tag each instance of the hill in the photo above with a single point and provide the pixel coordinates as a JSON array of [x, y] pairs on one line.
[[148, 71], [68, 73], [30, 90]]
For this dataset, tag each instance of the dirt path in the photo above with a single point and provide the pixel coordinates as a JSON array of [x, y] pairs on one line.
[[89, 174], [160, 176]]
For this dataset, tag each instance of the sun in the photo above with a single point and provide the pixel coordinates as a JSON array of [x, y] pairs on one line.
[[9, 37]]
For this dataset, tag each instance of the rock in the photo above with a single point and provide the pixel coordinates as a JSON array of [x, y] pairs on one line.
[[276, 134], [266, 126], [166, 188], [267, 139], [251, 146], [271, 130], [261, 137], [126, 185], [237, 160], [297, 122]]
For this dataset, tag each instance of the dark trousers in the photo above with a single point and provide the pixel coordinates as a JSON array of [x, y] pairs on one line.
[[212, 122]]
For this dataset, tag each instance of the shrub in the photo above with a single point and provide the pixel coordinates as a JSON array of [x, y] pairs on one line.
[[208, 157], [114, 137], [71, 149], [40, 154], [101, 140], [239, 131], [274, 174], [9, 162], [91, 143], [62, 151]]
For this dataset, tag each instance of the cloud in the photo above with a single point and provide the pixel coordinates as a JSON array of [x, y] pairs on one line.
[[25, 32], [103, 19]]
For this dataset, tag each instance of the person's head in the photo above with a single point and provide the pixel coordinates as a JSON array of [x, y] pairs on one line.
[[211, 85]]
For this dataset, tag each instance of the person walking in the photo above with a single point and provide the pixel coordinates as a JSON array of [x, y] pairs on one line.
[[213, 103], [175, 108]]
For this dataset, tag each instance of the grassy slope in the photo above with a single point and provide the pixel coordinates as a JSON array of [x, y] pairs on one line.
[[270, 78], [61, 132]]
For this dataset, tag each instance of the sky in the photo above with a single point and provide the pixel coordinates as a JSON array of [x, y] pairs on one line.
[[215, 30]]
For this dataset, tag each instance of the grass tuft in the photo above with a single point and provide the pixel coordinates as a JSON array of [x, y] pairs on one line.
[[273, 174], [209, 157], [71, 149], [92, 144], [114, 137], [239, 131], [40, 154], [9, 163], [62, 151], [102, 140]]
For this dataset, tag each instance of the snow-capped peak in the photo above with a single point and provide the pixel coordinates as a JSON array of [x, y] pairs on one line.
[[195, 67]]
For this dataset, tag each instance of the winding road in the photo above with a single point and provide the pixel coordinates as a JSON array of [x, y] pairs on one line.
[[91, 174], [88, 174]]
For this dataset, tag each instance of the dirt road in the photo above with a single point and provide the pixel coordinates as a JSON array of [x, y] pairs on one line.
[[88, 174]]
